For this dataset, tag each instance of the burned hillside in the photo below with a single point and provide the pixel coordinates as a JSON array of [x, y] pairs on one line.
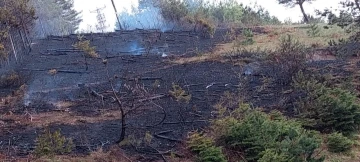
[[212, 82]]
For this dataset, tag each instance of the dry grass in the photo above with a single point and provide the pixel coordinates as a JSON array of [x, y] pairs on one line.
[[215, 55], [270, 41], [43, 119], [14, 98], [115, 154]]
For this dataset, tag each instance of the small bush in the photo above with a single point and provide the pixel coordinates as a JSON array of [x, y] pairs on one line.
[[313, 31], [197, 142], [204, 146], [263, 137], [212, 154], [338, 143], [11, 79], [271, 155], [84, 45], [327, 109], [51, 144], [205, 26], [248, 37], [180, 94], [289, 59], [289, 44]]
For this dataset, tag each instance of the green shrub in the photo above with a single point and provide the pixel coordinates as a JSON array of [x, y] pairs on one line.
[[212, 154], [51, 144], [206, 148], [327, 109], [260, 136], [248, 37], [313, 31], [84, 45], [197, 142], [172, 10], [337, 143], [271, 155]]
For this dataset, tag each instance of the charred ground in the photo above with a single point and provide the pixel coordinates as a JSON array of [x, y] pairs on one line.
[[60, 101]]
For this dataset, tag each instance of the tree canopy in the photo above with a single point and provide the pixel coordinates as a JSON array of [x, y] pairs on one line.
[[55, 17]]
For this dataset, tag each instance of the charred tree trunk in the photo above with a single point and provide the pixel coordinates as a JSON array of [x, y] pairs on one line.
[[306, 19], [123, 126], [120, 104]]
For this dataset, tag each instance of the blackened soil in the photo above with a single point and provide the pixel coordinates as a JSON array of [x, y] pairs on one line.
[[205, 81]]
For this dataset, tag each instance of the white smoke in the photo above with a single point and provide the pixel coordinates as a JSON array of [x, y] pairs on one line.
[[146, 18]]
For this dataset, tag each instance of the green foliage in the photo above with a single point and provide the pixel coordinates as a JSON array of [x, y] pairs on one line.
[[180, 94], [204, 146], [338, 42], [257, 15], [263, 137], [271, 155], [224, 13], [327, 109], [51, 144], [345, 48], [172, 10], [248, 37], [338, 143], [228, 11], [348, 17], [84, 45], [197, 142], [55, 17], [212, 154], [289, 44], [313, 31]]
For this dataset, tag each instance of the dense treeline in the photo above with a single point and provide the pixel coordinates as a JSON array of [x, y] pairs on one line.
[[196, 14]]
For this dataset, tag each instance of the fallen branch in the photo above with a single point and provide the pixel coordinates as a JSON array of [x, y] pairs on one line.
[[182, 122], [164, 132], [160, 153], [96, 94], [167, 138], [142, 78], [163, 119], [153, 98], [58, 71]]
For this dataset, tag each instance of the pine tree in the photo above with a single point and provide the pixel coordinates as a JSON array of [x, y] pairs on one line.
[[55, 17]]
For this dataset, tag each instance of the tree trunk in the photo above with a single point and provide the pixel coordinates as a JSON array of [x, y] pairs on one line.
[[13, 46], [117, 16], [357, 4], [306, 19], [123, 127]]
